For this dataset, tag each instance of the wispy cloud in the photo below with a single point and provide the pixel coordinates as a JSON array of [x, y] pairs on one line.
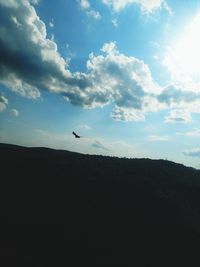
[[157, 138], [85, 127], [94, 14], [114, 22], [51, 24], [192, 152], [147, 6], [99, 145], [85, 5], [3, 103], [178, 116], [193, 133]]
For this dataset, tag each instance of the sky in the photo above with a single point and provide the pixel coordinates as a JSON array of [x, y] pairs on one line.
[[123, 74]]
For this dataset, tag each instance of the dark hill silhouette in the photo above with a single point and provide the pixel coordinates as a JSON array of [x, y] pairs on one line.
[[60, 208]]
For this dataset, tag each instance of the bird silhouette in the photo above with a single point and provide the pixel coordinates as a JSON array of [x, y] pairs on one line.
[[76, 135]]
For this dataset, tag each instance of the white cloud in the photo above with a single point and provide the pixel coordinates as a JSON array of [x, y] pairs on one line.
[[51, 24], [52, 38], [178, 116], [14, 112], [183, 99], [17, 85], [30, 63], [147, 6], [3, 102], [28, 59], [173, 95], [192, 152], [85, 127], [156, 138], [94, 14], [193, 133], [112, 77], [114, 22], [127, 114], [110, 48], [14, 19], [126, 81], [34, 2], [85, 4]]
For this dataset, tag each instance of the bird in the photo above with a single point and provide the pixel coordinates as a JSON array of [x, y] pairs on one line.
[[76, 135]]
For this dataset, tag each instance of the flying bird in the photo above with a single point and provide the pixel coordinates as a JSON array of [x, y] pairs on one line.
[[76, 135]]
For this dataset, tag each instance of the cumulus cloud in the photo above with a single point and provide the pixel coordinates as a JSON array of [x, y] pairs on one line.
[[3, 102], [28, 59], [125, 81], [193, 152], [31, 63], [147, 6], [14, 112], [178, 116]]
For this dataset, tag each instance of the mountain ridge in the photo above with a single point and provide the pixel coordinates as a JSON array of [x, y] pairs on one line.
[[7, 146], [60, 207]]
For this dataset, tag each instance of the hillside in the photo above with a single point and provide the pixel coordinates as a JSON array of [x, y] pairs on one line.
[[60, 208]]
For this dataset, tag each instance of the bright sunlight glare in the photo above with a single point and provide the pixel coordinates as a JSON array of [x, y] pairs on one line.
[[183, 58]]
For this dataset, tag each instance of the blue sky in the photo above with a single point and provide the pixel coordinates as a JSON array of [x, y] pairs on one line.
[[125, 75]]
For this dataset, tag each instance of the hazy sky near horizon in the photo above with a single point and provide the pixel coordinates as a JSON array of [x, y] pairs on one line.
[[124, 74]]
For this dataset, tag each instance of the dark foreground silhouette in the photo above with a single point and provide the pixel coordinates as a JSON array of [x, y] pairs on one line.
[[60, 208]]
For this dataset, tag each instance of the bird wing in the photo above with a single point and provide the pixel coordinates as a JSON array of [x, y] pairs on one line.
[[76, 135]]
